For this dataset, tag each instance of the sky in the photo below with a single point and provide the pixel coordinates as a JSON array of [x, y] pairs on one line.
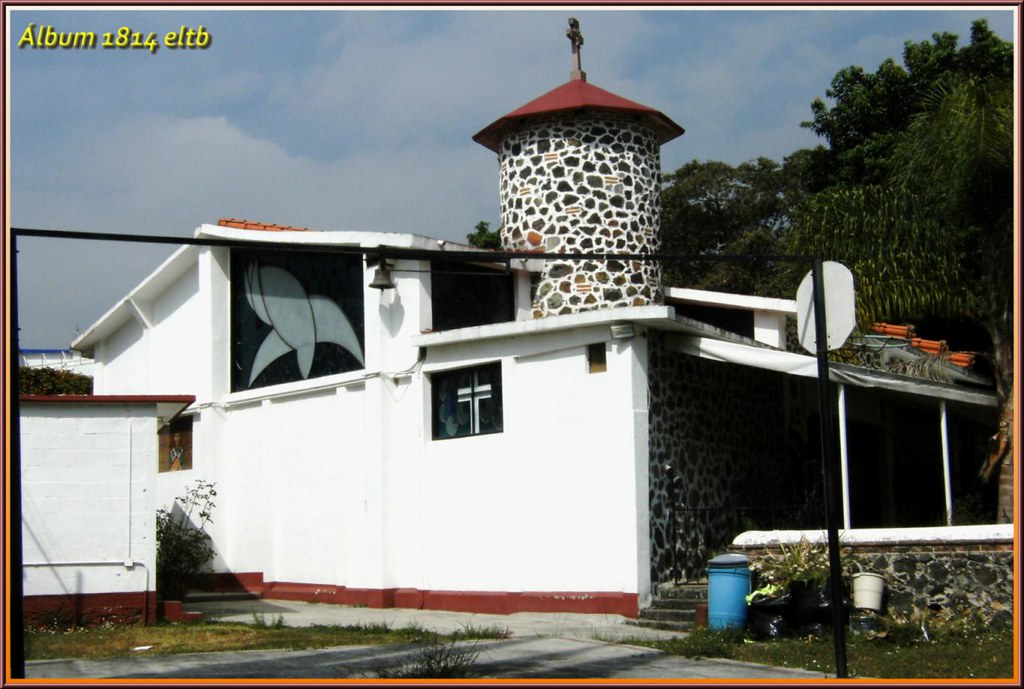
[[362, 119]]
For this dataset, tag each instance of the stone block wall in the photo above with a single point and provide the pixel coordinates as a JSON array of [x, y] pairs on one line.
[[933, 577], [584, 184], [720, 452], [929, 577]]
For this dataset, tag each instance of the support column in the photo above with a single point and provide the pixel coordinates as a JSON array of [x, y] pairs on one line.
[[844, 457], [944, 429]]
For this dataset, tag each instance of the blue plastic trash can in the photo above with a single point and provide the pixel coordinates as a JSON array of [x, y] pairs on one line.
[[728, 586]]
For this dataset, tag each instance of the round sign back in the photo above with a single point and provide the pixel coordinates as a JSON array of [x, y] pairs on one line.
[[840, 307]]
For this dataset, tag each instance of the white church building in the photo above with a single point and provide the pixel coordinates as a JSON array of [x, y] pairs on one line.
[[397, 421]]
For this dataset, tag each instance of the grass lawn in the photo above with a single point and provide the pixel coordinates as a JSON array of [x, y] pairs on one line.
[[900, 654], [199, 637]]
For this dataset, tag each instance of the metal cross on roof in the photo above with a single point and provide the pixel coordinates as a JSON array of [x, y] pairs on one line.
[[576, 36]]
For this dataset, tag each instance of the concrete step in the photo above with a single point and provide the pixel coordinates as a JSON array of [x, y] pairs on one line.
[[693, 592], [676, 603], [664, 624], [663, 615]]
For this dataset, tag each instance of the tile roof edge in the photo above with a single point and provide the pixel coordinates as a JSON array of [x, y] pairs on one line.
[[242, 224]]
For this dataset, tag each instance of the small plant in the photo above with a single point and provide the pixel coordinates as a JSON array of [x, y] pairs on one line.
[[471, 631], [260, 622], [182, 546], [704, 642], [770, 590], [804, 562], [436, 661]]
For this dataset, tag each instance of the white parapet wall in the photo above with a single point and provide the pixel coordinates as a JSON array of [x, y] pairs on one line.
[[979, 533]]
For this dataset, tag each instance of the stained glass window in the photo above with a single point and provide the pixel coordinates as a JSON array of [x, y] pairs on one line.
[[294, 316], [467, 402], [175, 440]]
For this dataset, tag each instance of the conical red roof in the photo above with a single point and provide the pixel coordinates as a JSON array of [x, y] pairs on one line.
[[576, 95]]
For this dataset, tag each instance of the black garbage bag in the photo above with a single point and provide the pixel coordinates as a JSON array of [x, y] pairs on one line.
[[764, 624], [812, 603], [768, 617], [778, 604]]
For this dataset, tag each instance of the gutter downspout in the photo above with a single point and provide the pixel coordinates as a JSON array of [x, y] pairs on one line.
[[128, 557]]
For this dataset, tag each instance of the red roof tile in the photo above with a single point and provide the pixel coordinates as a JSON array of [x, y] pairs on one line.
[[253, 225], [576, 95], [904, 331], [933, 347]]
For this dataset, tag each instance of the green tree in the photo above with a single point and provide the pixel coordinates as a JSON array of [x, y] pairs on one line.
[[871, 111], [483, 237], [711, 208], [935, 237]]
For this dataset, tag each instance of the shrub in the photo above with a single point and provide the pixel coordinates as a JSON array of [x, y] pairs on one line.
[[805, 562], [182, 546], [51, 381]]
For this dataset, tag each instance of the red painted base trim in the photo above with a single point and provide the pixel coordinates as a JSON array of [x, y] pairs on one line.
[[230, 582], [501, 603], [173, 611], [90, 609], [492, 602]]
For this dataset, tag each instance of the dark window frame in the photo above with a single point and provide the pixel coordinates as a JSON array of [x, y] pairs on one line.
[[447, 382], [465, 295], [597, 357]]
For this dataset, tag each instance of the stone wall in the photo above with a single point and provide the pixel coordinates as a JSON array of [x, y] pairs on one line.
[[584, 184], [722, 454], [936, 574]]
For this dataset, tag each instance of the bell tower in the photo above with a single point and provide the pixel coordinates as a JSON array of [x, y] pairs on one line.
[[580, 172]]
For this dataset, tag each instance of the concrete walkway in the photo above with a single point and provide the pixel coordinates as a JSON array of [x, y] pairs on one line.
[[541, 645]]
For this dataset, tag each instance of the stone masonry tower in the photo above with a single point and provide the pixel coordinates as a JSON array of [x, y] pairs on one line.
[[580, 173]]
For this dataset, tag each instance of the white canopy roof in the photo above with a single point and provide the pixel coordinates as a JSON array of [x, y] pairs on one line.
[[807, 366]]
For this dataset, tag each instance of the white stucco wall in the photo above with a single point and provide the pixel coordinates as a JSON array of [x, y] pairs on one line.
[[88, 479], [550, 503], [344, 485], [177, 334], [336, 480], [122, 362]]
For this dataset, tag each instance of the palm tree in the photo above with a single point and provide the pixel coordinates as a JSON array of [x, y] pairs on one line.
[[937, 239]]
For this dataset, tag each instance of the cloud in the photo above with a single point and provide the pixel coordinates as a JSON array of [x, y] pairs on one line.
[[176, 173], [193, 170], [351, 119]]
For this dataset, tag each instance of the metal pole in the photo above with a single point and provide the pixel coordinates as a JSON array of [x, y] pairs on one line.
[[16, 589], [828, 460], [844, 456], [947, 484]]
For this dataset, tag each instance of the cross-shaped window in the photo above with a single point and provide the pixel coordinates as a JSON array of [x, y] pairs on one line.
[[467, 402]]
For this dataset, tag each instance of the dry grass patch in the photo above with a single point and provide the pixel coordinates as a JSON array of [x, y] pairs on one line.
[[121, 641]]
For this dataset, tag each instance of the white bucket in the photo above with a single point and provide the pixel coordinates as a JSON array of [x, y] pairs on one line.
[[867, 591]]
